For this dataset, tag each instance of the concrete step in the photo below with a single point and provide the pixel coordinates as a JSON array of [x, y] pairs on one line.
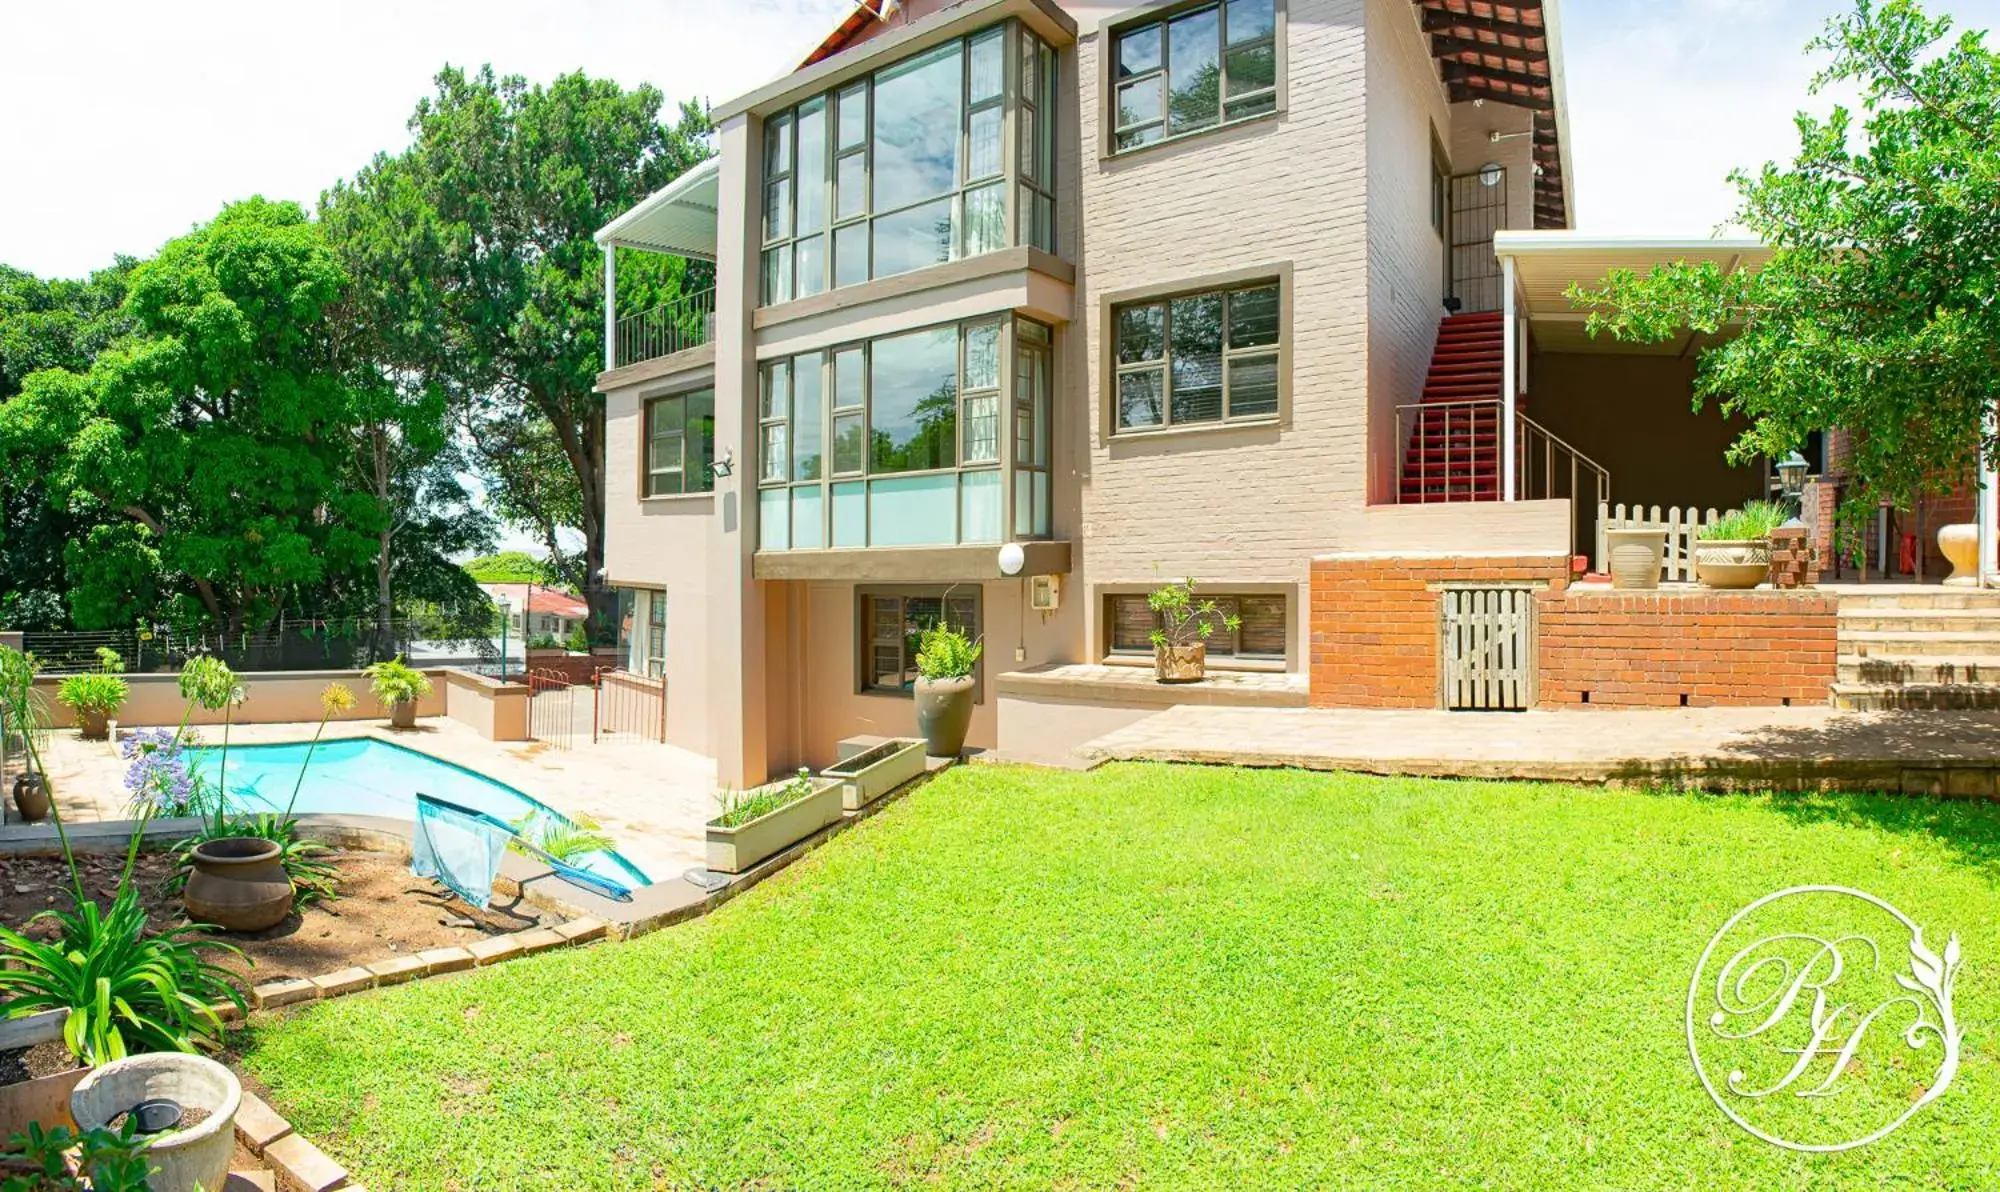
[[1943, 697], [1922, 644], [1919, 620], [1926, 598], [1961, 670]]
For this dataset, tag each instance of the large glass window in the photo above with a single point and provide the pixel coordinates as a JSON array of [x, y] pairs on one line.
[[1259, 634], [1198, 358], [1197, 69], [905, 440], [680, 444], [910, 167], [892, 624]]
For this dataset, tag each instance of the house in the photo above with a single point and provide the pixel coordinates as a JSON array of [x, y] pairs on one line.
[[1266, 292], [536, 611]]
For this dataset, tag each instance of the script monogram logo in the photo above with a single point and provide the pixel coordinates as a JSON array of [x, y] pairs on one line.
[[1814, 1034]]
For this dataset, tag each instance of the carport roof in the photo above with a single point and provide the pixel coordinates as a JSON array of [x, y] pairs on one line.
[[1547, 263], [678, 219]]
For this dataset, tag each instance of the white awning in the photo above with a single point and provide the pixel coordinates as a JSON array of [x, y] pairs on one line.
[[678, 219], [1547, 263]]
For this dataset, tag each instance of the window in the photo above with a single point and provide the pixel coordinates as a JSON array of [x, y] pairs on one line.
[[905, 441], [1259, 635], [909, 168], [1199, 358], [1197, 69], [680, 444], [892, 623], [656, 634], [1440, 190]]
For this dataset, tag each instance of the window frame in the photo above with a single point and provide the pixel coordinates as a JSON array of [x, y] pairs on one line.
[[1111, 370], [647, 437], [865, 643], [1110, 84], [1112, 653]]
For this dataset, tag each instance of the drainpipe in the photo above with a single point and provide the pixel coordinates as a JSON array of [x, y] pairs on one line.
[[610, 307], [1510, 369]]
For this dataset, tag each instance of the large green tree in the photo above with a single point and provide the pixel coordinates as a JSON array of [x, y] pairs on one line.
[[1879, 311], [478, 236]]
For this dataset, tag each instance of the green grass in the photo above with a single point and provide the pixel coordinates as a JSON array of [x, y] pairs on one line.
[[1163, 977]]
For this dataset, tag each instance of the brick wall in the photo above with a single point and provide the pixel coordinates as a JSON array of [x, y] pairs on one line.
[[1694, 647], [1374, 622]]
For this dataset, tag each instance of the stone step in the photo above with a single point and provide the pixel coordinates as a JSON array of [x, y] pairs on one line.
[[1925, 598], [1943, 697], [1921, 644], [1918, 620], [1879, 670]]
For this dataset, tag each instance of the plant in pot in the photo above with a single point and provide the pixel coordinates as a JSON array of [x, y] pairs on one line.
[[24, 717], [1734, 551], [759, 823], [946, 659], [398, 686], [95, 697], [1180, 644]]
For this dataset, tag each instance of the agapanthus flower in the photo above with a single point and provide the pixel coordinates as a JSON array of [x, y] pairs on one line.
[[159, 775]]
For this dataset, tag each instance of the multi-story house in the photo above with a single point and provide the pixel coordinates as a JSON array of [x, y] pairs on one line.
[[1204, 288]]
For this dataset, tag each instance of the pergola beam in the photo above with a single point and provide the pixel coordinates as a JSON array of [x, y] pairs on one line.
[[1437, 20], [1456, 71], [1466, 90], [1444, 45]]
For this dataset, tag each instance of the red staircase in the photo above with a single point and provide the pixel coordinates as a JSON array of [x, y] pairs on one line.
[[1453, 451]]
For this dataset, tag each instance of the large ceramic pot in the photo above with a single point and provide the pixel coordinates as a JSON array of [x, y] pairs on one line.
[[1960, 544], [1635, 556], [1181, 664], [31, 796], [1732, 562], [93, 725], [944, 713], [238, 884], [183, 1159], [403, 714]]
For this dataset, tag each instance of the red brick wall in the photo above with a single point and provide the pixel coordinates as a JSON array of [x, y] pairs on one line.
[[1374, 623], [1651, 649]]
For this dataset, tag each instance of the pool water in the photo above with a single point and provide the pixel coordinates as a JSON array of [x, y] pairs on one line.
[[371, 777]]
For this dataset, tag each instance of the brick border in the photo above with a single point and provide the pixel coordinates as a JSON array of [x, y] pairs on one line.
[[404, 967]]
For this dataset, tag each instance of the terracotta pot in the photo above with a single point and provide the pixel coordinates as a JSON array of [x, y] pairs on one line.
[[238, 884], [1960, 544], [31, 796], [403, 714], [1181, 664], [944, 713], [1635, 556], [1732, 562], [183, 1160], [93, 725]]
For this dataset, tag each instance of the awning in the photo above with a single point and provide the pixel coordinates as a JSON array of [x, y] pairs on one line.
[[678, 219], [1547, 264]]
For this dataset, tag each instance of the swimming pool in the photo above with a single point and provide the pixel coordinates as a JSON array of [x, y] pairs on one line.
[[372, 777]]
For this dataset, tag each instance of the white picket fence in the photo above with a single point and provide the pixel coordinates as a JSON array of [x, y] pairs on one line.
[[1681, 525]]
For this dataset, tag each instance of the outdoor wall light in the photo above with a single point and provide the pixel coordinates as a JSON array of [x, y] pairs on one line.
[[1792, 479], [724, 465]]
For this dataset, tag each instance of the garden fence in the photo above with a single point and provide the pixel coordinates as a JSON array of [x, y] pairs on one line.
[[1683, 526]]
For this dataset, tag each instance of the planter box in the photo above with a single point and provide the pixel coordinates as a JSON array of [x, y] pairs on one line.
[[44, 1099], [733, 850], [869, 775]]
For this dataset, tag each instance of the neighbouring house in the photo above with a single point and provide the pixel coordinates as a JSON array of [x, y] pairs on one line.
[[1267, 292], [537, 611]]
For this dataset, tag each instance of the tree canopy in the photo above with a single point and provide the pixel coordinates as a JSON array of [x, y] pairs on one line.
[[508, 567], [1879, 311]]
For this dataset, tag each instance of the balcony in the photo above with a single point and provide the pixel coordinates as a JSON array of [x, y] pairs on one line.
[[667, 329]]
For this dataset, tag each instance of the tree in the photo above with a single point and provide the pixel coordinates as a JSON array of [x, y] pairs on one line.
[[1879, 312], [208, 448], [507, 567], [486, 224]]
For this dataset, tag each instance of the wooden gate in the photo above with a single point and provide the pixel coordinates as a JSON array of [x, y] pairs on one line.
[[1488, 648]]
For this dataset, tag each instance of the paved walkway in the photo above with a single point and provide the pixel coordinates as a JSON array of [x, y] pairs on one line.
[[652, 799], [1815, 747]]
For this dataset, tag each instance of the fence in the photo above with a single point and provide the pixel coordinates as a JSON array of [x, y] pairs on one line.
[[1683, 526], [556, 704], [630, 704], [333, 644], [687, 322]]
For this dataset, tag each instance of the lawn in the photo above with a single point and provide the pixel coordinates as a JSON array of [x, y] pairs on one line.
[[1163, 977]]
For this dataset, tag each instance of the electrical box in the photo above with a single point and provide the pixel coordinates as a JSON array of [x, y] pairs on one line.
[[1045, 593]]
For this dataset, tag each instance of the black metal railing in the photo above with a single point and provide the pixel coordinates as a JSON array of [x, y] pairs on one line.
[[686, 322]]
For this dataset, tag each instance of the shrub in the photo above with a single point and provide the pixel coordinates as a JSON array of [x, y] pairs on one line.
[[946, 653], [104, 1161], [567, 840], [1185, 621], [93, 691], [394, 682], [1755, 520], [740, 807], [544, 641]]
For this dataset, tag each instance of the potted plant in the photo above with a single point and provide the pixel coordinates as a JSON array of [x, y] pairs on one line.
[[197, 1098], [399, 687], [876, 771], [95, 697], [1734, 551], [1635, 555], [758, 823], [24, 714], [1180, 644], [945, 687]]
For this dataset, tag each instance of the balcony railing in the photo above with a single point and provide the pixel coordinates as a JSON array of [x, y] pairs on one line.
[[686, 322], [1451, 452]]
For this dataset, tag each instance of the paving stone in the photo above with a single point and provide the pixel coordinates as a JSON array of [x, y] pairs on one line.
[[226, 1011], [445, 960], [396, 970], [581, 931], [303, 1167], [540, 939], [494, 949], [283, 993], [345, 980], [252, 1181], [258, 1125]]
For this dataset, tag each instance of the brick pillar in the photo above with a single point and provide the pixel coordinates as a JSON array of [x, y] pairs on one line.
[[1794, 561]]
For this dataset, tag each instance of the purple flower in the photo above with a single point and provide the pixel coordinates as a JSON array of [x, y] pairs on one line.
[[159, 775]]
